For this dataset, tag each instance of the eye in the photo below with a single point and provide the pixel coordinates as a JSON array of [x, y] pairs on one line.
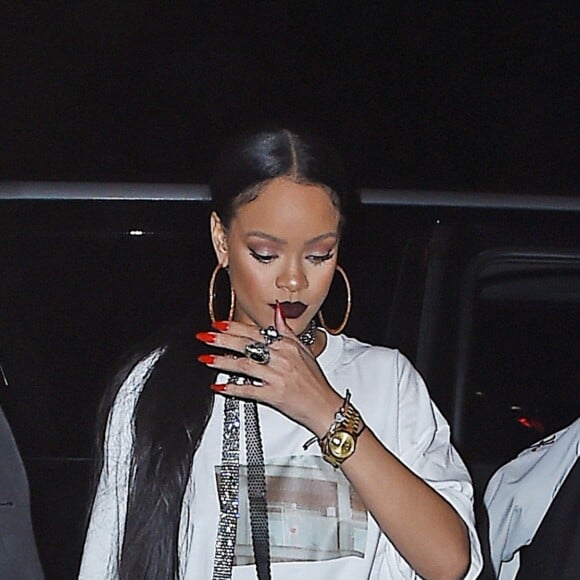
[[263, 258], [319, 258]]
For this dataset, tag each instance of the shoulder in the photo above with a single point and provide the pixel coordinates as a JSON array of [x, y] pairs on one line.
[[382, 361], [347, 350], [382, 378], [544, 462]]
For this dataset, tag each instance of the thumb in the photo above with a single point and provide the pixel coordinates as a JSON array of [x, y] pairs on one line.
[[280, 320]]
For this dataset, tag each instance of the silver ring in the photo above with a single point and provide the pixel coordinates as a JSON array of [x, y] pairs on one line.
[[258, 352], [242, 381], [270, 335]]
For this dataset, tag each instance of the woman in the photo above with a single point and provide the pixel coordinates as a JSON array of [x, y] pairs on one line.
[[328, 478]]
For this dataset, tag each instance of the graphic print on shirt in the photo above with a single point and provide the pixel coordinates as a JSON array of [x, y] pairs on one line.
[[313, 513]]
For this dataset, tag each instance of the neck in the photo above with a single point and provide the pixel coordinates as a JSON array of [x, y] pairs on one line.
[[319, 344]]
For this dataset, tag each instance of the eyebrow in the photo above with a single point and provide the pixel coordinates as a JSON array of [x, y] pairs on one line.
[[269, 237]]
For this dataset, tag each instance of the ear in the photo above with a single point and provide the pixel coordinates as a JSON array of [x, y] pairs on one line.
[[219, 239]]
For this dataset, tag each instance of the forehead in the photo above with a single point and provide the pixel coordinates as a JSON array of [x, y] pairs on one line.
[[286, 209]]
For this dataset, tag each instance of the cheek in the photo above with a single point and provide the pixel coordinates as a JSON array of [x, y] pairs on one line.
[[324, 280], [247, 278]]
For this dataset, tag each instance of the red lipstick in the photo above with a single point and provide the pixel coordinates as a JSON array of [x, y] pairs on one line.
[[292, 309]]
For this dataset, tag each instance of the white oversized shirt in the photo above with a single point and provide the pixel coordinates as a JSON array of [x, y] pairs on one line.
[[319, 528]]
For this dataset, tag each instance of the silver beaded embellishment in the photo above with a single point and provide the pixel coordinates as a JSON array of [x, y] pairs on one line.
[[270, 335], [309, 335], [306, 337], [229, 491]]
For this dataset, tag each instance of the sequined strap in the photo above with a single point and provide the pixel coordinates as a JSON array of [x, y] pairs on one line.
[[229, 491]]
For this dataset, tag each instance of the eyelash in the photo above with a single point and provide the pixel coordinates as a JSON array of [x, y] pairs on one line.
[[263, 258], [320, 259], [269, 258]]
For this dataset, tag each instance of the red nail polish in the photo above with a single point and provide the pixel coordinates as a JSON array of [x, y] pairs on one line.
[[206, 336], [222, 325], [218, 388], [206, 359]]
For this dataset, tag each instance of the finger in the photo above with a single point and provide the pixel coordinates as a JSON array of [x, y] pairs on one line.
[[228, 341], [242, 392], [239, 344], [251, 332], [247, 332], [280, 320], [284, 329], [238, 366]]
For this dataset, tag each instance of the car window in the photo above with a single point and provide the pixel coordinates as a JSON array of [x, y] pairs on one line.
[[523, 376]]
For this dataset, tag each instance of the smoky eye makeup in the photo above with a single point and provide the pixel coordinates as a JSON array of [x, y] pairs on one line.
[[322, 257], [265, 248], [322, 251], [263, 256], [317, 258]]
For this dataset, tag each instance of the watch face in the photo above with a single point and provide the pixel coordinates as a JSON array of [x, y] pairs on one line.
[[341, 444]]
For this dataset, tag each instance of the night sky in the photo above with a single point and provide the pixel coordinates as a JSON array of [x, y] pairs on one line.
[[477, 98]]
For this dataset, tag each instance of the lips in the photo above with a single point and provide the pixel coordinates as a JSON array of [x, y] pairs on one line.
[[292, 309]]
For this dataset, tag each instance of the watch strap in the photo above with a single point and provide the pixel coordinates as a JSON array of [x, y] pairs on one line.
[[347, 420]]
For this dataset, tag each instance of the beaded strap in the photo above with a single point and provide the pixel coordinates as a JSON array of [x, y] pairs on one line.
[[229, 491]]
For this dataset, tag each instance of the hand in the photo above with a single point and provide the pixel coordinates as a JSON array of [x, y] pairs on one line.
[[293, 383]]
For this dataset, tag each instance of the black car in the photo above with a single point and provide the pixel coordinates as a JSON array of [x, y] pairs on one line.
[[481, 292]]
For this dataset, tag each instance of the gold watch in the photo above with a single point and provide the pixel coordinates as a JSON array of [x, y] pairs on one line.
[[339, 442]]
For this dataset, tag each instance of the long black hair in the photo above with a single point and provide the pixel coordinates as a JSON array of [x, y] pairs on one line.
[[175, 403]]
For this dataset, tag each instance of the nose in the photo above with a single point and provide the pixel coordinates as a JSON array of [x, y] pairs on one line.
[[292, 278]]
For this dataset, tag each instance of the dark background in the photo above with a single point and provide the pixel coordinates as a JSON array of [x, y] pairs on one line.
[[470, 97], [474, 96]]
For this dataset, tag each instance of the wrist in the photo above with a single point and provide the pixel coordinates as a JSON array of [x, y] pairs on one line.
[[322, 413], [339, 439]]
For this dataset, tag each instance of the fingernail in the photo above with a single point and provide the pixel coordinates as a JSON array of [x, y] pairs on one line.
[[218, 388], [222, 325], [206, 359], [206, 336]]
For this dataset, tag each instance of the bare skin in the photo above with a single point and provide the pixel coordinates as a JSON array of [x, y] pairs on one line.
[[283, 246]]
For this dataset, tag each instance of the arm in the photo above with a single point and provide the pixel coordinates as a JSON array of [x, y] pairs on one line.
[[423, 526], [18, 553]]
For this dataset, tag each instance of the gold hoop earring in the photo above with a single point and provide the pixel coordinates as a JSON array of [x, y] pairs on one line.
[[339, 328], [211, 298]]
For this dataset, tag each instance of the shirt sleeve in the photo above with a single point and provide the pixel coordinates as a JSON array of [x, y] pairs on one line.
[[426, 449], [107, 521], [520, 493]]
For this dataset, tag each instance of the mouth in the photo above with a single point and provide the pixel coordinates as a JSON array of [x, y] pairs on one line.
[[292, 309]]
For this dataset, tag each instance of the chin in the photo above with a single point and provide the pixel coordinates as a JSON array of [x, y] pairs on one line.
[[299, 325]]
